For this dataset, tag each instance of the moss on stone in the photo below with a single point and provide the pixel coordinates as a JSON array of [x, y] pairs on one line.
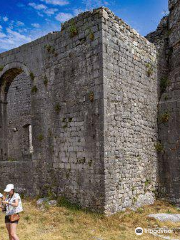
[[57, 108], [32, 76], [45, 81], [34, 89], [73, 29], [164, 82], [70, 119], [159, 147], [91, 96], [164, 117], [40, 137], [1, 68], [149, 70]]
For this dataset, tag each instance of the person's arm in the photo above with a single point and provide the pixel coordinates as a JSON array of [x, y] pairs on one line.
[[14, 204]]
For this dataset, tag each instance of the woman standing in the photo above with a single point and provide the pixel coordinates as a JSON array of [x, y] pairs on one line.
[[13, 208]]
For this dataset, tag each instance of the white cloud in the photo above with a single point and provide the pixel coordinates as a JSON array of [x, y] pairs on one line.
[[62, 17], [36, 25], [5, 19], [20, 24], [0, 27], [56, 2], [77, 11], [43, 8], [37, 6], [17, 35], [22, 30], [12, 39], [2, 35], [40, 14], [50, 11]]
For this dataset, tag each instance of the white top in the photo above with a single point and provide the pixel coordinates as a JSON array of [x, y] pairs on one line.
[[10, 209]]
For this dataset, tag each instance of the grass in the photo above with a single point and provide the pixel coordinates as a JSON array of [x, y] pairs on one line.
[[149, 70], [65, 223], [73, 30]]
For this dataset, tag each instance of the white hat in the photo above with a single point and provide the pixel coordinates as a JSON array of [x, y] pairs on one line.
[[1, 196], [9, 187]]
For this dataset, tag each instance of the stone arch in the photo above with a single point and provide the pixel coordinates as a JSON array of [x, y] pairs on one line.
[[7, 76]]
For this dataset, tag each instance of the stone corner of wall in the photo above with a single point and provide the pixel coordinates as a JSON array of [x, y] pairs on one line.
[[107, 14], [172, 4], [83, 15]]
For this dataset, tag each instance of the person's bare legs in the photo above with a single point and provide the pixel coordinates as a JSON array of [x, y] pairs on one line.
[[13, 227], [8, 229]]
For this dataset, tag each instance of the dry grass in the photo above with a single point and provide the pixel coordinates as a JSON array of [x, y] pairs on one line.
[[61, 223]]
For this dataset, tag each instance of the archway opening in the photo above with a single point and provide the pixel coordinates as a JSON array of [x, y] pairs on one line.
[[15, 116]]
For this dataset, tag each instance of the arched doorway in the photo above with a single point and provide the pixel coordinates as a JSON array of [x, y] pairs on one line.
[[15, 114]]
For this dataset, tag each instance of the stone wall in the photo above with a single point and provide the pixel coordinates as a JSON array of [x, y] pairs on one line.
[[93, 100], [74, 134], [167, 42], [19, 118], [66, 113], [169, 130], [130, 95]]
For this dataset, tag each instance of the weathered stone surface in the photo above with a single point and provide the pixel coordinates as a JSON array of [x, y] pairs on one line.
[[41, 201], [52, 203], [130, 113], [167, 39], [164, 217], [145, 199]]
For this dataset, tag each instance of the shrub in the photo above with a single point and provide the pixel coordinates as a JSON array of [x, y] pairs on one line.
[[34, 89], [40, 137], [65, 126], [164, 82], [45, 81], [57, 108], [149, 71], [147, 182], [10, 159], [50, 49], [164, 117], [64, 202], [1, 68], [159, 147], [91, 35], [91, 96], [31, 76], [73, 30]]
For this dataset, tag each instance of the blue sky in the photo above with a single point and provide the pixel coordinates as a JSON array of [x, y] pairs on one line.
[[22, 21]]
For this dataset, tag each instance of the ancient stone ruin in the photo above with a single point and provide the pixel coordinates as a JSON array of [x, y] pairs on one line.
[[79, 110]]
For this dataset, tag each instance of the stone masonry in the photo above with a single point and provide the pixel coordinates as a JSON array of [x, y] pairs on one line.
[[167, 40], [78, 113]]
